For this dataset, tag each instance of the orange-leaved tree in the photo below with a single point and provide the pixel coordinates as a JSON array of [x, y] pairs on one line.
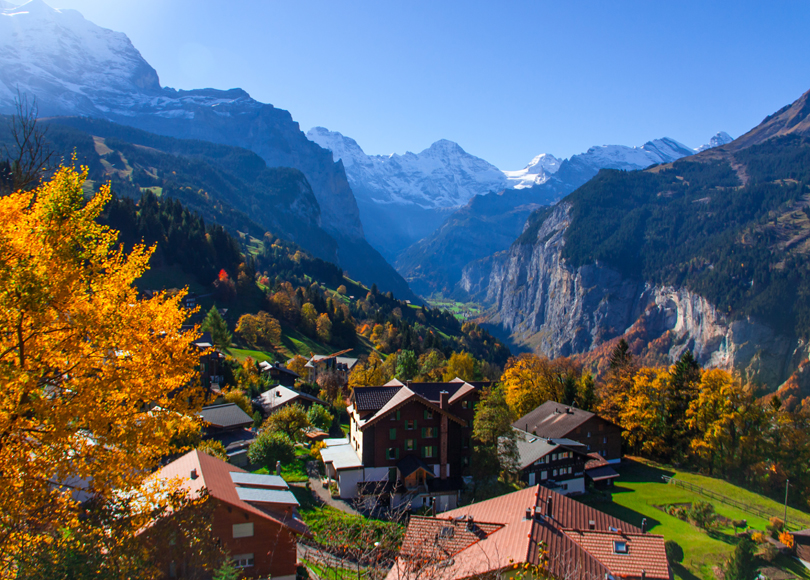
[[94, 378]]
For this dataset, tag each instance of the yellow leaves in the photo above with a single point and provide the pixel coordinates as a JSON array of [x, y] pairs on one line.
[[530, 381], [85, 362], [461, 365]]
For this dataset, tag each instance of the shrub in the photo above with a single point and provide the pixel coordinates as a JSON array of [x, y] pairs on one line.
[[768, 552], [290, 419], [315, 451], [214, 448], [758, 538], [269, 447], [787, 539], [674, 552], [739, 524], [775, 527], [702, 515], [741, 565], [319, 417], [238, 397]]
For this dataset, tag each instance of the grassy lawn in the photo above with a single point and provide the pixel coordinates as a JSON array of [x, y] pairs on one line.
[[461, 310], [330, 526], [640, 489], [293, 472], [241, 354]]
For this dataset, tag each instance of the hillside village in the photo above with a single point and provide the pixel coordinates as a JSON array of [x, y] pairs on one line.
[[232, 350]]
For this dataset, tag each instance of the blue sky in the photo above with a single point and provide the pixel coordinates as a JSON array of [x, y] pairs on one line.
[[506, 80]]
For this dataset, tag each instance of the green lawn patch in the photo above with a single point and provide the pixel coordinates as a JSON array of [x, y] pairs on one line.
[[640, 490], [241, 354], [332, 527]]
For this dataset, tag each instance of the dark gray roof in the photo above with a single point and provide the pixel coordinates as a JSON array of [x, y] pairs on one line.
[[236, 439], [533, 447], [227, 415], [375, 398], [258, 480], [553, 420], [602, 473]]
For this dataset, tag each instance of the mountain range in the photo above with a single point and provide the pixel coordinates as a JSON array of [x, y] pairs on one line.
[[76, 68], [709, 253]]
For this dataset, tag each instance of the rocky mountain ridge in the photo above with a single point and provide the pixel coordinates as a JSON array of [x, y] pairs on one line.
[[73, 67], [559, 302]]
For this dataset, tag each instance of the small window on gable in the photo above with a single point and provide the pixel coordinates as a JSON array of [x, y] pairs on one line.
[[428, 414], [620, 547], [447, 532], [465, 404]]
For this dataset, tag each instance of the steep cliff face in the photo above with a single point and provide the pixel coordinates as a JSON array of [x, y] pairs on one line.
[[562, 311]]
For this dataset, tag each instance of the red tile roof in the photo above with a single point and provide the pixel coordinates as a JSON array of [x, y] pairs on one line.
[[495, 534], [214, 475]]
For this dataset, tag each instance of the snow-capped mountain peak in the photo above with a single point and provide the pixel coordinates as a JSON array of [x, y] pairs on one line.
[[537, 172], [441, 176], [720, 139], [33, 59]]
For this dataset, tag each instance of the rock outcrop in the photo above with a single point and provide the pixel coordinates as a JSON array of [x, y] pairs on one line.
[[562, 311]]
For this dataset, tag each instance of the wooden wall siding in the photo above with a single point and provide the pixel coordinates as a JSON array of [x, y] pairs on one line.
[[599, 429]]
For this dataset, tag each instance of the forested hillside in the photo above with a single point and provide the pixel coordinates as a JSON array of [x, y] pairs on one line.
[[310, 298], [733, 230]]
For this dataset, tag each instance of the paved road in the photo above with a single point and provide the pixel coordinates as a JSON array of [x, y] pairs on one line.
[[326, 497]]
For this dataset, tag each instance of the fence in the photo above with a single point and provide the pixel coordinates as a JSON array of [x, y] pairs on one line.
[[728, 501]]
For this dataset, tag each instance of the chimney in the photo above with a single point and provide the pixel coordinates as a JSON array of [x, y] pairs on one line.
[[644, 525], [643, 575], [194, 474], [529, 514], [444, 400], [433, 506], [548, 506], [470, 524], [534, 512], [591, 525]]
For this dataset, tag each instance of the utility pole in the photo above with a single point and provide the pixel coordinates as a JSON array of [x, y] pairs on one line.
[[787, 485]]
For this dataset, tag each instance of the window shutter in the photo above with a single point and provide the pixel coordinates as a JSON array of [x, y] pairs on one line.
[[397, 414], [397, 453], [423, 432], [392, 433]]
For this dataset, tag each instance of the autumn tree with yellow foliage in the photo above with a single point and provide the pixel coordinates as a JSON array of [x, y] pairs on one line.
[[93, 376]]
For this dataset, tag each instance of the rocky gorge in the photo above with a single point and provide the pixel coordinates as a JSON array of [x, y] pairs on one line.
[[559, 310]]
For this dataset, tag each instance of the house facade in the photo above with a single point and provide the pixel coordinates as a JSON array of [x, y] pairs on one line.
[[255, 517], [531, 527], [411, 443], [557, 464], [322, 363], [552, 420]]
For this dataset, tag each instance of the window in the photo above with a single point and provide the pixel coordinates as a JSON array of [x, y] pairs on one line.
[[555, 473], [243, 560], [428, 432], [410, 425], [447, 532], [554, 457], [395, 416], [604, 439], [620, 547], [544, 475], [410, 444], [589, 435], [465, 404], [392, 433], [428, 414], [465, 461], [392, 453], [428, 451], [243, 530]]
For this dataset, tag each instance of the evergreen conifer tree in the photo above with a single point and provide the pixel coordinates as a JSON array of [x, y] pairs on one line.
[[741, 564], [218, 328]]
